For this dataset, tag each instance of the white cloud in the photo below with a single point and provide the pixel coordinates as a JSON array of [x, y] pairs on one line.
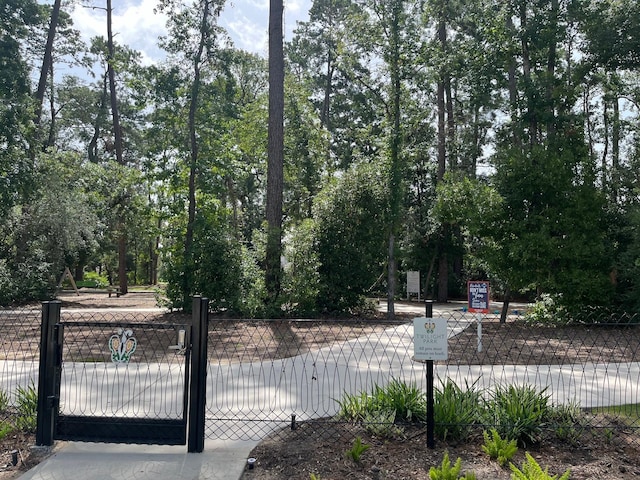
[[135, 24]]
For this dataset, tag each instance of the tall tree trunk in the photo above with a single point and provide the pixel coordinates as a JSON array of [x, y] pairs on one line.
[[526, 69], [443, 267], [505, 305], [396, 170], [51, 137], [615, 149], [117, 133], [275, 154], [189, 268], [513, 87], [46, 61], [551, 70], [92, 147]]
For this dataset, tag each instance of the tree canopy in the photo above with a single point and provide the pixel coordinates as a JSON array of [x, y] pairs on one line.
[[469, 141]]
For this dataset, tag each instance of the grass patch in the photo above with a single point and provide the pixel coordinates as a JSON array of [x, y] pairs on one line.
[[628, 413]]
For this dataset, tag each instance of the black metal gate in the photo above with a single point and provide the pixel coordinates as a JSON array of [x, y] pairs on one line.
[[121, 381]]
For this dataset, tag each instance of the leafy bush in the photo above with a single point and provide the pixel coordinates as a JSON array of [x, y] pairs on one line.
[[518, 413], [253, 292], [447, 472], [351, 218], [30, 280], [498, 448], [27, 401], [567, 420], [100, 280], [548, 310], [4, 401], [301, 279], [212, 268], [396, 402], [356, 451], [5, 430], [532, 471], [456, 410], [381, 423]]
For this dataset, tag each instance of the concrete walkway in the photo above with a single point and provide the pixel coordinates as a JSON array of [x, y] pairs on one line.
[[307, 386]]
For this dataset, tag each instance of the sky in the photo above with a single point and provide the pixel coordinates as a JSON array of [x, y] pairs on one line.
[[135, 24]]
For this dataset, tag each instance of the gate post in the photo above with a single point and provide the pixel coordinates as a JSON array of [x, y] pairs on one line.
[[198, 380], [47, 405]]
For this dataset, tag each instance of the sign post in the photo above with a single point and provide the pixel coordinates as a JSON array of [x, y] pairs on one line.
[[413, 283], [478, 295], [430, 343]]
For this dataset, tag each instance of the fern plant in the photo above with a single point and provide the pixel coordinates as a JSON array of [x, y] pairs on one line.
[[532, 471], [447, 472], [498, 448]]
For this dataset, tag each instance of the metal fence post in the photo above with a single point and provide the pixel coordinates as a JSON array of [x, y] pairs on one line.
[[431, 442], [47, 404], [198, 380]]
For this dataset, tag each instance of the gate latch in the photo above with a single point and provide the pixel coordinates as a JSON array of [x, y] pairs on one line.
[[180, 347]]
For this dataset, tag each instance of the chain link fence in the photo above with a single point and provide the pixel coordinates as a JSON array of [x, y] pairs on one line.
[[267, 376], [271, 376]]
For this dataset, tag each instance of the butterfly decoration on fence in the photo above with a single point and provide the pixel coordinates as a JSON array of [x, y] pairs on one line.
[[122, 345]]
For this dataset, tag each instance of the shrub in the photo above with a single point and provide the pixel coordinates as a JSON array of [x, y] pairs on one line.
[[301, 280], [351, 220], [518, 413], [5, 430], [567, 421], [547, 310], [4, 401], [381, 423], [393, 403], [532, 471], [498, 448], [456, 410], [100, 281], [27, 400], [447, 472], [357, 449]]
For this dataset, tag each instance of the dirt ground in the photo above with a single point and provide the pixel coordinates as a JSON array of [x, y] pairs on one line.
[[596, 454]]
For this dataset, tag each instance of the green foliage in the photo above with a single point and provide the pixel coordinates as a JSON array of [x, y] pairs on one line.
[[4, 401], [498, 448], [550, 233], [28, 280], [447, 472], [518, 413], [381, 423], [629, 261], [456, 410], [301, 279], [100, 280], [253, 291], [547, 310], [407, 401], [351, 219], [27, 403], [532, 471], [357, 449], [567, 421], [5, 430], [213, 267]]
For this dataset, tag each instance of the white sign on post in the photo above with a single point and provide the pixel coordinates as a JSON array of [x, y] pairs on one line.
[[430, 339], [413, 283]]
